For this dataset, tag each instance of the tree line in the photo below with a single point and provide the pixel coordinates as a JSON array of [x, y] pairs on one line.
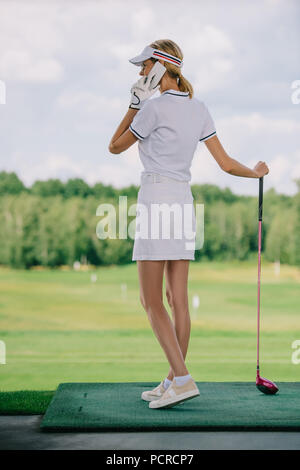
[[53, 223]]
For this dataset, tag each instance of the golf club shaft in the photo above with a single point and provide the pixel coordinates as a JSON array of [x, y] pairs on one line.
[[260, 210]]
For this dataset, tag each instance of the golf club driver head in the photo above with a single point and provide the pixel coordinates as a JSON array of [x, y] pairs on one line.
[[266, 386]]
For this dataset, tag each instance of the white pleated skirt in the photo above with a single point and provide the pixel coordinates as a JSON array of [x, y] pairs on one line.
[[165, 219]]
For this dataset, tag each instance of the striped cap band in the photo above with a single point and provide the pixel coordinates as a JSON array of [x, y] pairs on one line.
[[156, 54], [168, 57]]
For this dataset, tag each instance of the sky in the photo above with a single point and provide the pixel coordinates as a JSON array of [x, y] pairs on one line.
[[64, 66]]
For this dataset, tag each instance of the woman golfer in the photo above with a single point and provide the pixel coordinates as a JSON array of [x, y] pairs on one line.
[[168, 128]]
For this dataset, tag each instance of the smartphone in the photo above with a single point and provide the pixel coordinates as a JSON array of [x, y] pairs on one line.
[[155, 75]]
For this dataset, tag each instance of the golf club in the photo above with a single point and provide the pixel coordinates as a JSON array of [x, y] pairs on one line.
[[264, 385]]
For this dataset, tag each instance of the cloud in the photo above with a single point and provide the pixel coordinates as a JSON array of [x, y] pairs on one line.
[[256, 131], [248, 139], [21, 65], [141, 17], [30, 39], [242, 65], [46, 166], [284, 169], [212, 50], [207, 41], [86, 101], [111, 169], [257, 123]]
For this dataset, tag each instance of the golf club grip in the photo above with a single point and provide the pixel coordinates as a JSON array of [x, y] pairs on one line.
[[260, 199]]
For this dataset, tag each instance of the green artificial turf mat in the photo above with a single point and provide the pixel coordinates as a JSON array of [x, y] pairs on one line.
[[221, 406]]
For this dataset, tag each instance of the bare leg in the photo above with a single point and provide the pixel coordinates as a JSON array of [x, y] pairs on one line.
[[176, 274], [151, 282]]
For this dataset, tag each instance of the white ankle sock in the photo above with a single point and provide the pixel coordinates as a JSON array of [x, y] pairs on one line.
[[167, 382], [182, 379]]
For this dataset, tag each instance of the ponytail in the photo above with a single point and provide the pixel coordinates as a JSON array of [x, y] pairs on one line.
[[184, 85]]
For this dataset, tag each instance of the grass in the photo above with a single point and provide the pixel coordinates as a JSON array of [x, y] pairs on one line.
[[58, 326], [29, 402]]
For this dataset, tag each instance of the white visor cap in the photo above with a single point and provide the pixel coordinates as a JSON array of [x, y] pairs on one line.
[[156, 54]]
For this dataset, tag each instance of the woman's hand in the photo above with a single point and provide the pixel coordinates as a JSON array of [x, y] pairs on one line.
[[261, 169], [140, 92], [146, 86]]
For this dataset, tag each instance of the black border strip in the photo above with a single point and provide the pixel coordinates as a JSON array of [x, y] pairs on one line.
[[136, 133], [208, 136]]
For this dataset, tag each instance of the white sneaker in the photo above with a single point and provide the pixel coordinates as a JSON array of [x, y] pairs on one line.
[[154, 394], [176, 394]]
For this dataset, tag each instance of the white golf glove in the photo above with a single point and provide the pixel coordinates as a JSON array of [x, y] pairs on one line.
[[146, 86], [140, 93]]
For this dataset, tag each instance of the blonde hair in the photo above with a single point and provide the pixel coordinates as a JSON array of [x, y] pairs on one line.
[[170, 47]]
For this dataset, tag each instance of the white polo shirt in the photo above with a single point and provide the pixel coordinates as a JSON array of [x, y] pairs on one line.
[[169, 128]]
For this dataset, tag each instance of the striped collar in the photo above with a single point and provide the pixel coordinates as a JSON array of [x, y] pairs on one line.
[[175, 92]]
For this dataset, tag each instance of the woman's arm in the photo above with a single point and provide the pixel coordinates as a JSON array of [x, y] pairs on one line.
[[123, 138], [230, 165]]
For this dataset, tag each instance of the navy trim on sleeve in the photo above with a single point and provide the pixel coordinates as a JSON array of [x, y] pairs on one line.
[[204, 138], [136, 133]]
